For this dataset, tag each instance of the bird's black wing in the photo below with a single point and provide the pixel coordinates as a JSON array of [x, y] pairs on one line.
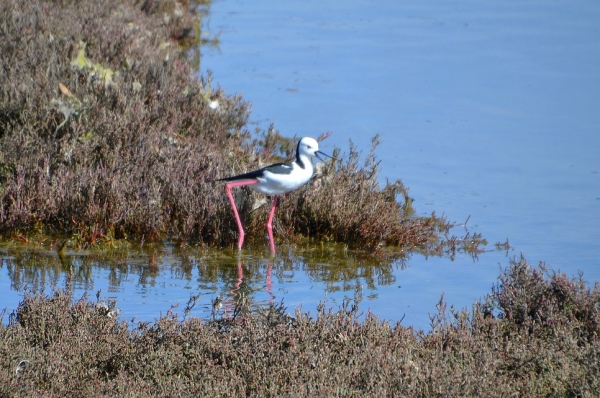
[[277, 168]]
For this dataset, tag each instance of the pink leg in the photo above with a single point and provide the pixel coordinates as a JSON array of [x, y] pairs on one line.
[[235, 212], [229, 304], [270, 224], [270, 283]]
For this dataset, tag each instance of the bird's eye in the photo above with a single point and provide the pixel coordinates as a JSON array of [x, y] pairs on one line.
[[309, 147]]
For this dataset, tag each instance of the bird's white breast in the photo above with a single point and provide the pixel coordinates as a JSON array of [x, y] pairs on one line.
[[277, 184]]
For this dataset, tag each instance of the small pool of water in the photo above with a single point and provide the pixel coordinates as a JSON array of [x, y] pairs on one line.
[[147, 282]]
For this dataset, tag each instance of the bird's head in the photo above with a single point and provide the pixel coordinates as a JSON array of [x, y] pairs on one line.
[[309, 147]]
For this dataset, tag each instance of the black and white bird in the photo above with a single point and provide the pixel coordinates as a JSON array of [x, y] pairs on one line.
[[276, 179]]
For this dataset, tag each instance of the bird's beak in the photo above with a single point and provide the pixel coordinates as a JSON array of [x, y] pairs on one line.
[[317, 153]]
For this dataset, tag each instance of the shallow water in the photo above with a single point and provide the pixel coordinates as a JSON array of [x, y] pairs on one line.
[[485, 109], [151, 280]]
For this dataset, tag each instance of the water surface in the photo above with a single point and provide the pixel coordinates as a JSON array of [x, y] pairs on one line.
[[486, 109]]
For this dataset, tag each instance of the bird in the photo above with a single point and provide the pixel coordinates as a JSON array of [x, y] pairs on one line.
[[276, 179]]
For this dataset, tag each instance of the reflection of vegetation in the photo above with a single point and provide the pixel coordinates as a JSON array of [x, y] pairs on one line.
[[341, 268], [43, 261]]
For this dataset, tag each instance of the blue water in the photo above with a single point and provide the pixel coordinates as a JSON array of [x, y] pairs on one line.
[[486, 109]]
